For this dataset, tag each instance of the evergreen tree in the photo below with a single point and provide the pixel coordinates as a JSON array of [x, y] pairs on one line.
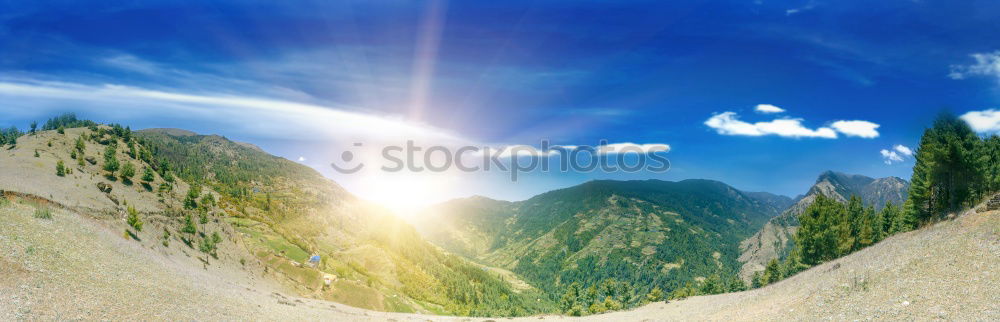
[[866, 232], [34, 127], [110, 160], [817, 236], [989, 163], [654, 295], [757, 280], [570, 298], [772, 273], [946, 171], [60, 169], [147, 175], [191, 201], [133, 219], [80, 145], [128, 171]]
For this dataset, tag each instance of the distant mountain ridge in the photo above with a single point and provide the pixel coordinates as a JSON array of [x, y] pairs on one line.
[[774, 240], [646, 233]]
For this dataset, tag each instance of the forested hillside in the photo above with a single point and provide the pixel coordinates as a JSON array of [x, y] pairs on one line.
[[955, 169], [220, 200], [775, 240], [290, 211], [607, 245]]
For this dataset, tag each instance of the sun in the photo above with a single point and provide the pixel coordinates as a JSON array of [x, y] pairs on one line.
[[406, 194]]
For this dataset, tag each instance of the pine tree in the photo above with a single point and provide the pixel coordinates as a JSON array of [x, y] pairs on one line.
[[147, 175], [60, 169], [819, 230], [128, 171], [654, 295], [110, 160], [80, 145], [866, 232], [133, 219], [946, 171], [988, 161], [570, 297], [34, 127], [772, 273]]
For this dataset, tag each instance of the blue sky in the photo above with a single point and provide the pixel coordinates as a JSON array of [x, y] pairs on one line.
[[306, 79]]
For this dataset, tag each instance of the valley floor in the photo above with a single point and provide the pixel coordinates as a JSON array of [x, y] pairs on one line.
[[73, 267]]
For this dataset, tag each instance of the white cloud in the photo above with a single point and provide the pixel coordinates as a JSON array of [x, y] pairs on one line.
[[862, 129], [520, 151], [987, 64], [261, 117], [889, 157], [768, 108], [902, 149], [728, 123], [983, 121], [898, 153], [809, 6], [302, 159]]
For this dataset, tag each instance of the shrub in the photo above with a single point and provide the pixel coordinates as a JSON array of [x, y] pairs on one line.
[[60, 169], [43, 213]]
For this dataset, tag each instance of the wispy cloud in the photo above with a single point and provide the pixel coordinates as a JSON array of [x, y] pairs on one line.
[[987, 121], [809, 6], [986, 64], [890, 157], [898, 153], [768, 109], [254, 115], [132, 63]]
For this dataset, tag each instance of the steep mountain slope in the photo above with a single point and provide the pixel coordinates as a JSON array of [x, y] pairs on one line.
[[73, 267], [290, 211], [210, 202], [774, 240], [642, 233]]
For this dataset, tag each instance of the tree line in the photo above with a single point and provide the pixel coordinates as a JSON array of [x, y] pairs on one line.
[[955, 169]]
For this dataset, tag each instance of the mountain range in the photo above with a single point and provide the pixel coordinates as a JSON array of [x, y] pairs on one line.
[[230, 205], [775, 238], [642, 233]]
